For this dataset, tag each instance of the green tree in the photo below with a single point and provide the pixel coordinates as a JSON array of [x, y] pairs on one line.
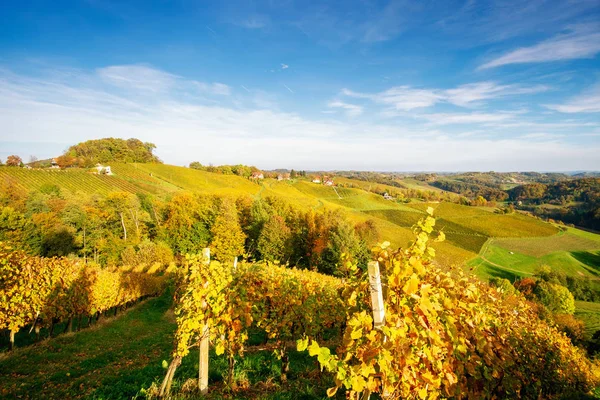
[[227, 235], [555, 297], [186, 221], [275, 239]]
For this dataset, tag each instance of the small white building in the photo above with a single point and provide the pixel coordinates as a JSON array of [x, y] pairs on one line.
[[257, 175], [316, 180], [103, 170], [328, 182], [54, 164], [387, 196]]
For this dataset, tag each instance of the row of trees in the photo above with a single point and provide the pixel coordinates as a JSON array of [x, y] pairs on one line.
[[125, 228]]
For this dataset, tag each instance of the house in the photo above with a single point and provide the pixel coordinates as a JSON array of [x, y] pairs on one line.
[[328, 182], [387, 196], [281, 177], [54, 164], [316, 180], [257, 175], [103, 170]]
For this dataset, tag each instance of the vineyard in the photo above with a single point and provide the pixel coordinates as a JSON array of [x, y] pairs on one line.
[[39, 292], [443, 335], [436, 333]]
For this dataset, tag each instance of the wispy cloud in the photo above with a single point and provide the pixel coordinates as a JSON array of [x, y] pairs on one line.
[[351, 110], [188, 128], [137, 77], [473, 92], [147, 79], [400, 97], [287, 87], [587, 102], [582, 42], [465, 118], [284, 66], [254, 22], [407, 98]]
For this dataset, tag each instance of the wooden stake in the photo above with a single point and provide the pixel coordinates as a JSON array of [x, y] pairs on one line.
[[11, 346], [376, 294], [203, 344], [203, 366]]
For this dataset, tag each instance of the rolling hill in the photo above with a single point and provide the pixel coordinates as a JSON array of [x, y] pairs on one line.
[[492, 244]]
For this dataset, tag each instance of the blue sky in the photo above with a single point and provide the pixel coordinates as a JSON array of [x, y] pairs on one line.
[[376, 85]]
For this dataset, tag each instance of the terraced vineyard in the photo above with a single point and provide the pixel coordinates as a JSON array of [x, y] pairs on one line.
[[74, 180]]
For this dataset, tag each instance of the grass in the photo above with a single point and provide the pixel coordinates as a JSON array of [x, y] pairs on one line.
[[111, 360], [540, 246], [122, 357], [589, 313], [496, 260]]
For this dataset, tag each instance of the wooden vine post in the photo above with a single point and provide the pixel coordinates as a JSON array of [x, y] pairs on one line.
[[377, 304], [204, 344], [376, 295]]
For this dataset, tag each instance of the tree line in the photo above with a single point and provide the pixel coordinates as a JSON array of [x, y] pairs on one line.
[[125, 228]]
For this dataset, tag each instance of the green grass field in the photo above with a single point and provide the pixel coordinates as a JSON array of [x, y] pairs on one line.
[[497, 260]]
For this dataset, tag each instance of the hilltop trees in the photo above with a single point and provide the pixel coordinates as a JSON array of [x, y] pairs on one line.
[[91, 152], [14, 161]]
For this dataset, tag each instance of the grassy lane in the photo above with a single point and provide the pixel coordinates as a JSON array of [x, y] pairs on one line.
[[111, 360]]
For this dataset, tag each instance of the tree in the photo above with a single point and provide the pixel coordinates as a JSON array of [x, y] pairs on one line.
[[557, 298], [274, 240], [227, 235], [293, 174], [186, 223], [14, 161]]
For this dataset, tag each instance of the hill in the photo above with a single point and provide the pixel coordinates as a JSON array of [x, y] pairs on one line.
[[476, 235]]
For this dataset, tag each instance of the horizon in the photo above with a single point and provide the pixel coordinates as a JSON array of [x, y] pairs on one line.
[[309, 86]]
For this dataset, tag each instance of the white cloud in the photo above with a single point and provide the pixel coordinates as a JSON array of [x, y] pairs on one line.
[[284, 66], [465, 118], [187, 128], [580, 43], [352, 110], [407, 98], [587, 102], [464, 95], [137, 77], [147, 79], [400, 97]]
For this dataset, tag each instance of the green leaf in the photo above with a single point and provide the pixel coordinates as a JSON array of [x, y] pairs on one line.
[[165, 364]]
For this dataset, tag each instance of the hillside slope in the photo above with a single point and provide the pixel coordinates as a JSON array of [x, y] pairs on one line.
[[467, 228]]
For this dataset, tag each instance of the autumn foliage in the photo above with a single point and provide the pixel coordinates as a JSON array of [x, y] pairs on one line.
[[448, 335], [42, 290]]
